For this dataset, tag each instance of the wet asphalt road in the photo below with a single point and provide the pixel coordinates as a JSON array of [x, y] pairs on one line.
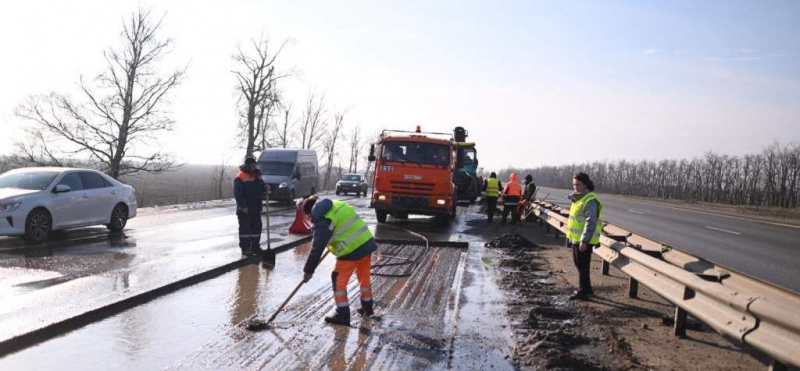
[[84, 269], [427, 320], [766, 251]]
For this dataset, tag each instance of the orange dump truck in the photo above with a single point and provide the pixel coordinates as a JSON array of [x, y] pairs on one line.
[[414, 175]]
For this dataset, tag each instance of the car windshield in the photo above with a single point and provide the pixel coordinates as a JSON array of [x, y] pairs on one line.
[[414, 152], [352, 178], [276, 168], [32, 181]]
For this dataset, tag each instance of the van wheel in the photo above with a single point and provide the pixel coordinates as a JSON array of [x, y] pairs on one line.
[[381, 215], [119, 218], [313, 191], [38, 226], [337, 192]]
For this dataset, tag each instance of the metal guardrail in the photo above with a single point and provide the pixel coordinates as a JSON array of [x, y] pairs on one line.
[[737, 306]]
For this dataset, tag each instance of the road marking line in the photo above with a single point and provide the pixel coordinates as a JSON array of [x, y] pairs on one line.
[[636, 212], [723, 230]]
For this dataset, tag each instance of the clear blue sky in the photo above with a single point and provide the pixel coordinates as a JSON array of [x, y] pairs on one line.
[[535, 82]]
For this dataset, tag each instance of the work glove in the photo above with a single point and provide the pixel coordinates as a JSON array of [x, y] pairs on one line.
[[307, 277]]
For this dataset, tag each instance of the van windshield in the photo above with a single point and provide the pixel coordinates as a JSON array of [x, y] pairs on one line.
[[31, 181], [276, 168], [414, 152]]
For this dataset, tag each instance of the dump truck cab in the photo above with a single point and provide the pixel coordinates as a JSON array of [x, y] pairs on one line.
[[413, 175]]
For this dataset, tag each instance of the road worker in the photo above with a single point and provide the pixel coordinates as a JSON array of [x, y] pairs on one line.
[[527, 195], [491, 190], [338, 227], [510, 196], [248, 189], [583, 230]]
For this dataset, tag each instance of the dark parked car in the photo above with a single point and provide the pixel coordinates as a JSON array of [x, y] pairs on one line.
[[352, 183]]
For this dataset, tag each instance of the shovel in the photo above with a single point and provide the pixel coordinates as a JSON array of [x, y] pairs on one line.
[[256, 325], [268, 259]]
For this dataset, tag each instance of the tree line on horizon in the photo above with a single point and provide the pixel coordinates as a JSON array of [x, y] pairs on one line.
[[770, 178]]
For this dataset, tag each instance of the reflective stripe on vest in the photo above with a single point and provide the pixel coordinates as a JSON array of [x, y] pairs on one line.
[[577, 220], [349, 231], [492, 187]]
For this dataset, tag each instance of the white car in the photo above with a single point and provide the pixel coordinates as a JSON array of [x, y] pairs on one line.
[[36, 201]]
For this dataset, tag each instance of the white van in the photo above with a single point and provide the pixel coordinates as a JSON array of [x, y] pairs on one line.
[[289, 173]]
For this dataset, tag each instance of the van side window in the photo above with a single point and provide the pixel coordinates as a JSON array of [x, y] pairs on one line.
[[307, 170]]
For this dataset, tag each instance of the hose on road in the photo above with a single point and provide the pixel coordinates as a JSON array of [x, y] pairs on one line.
[[406, 261]]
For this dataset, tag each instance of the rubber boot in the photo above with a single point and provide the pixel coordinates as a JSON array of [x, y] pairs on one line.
[[341, 317], [366, 309]]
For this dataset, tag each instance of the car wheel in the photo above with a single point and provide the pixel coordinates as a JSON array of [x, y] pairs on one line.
[[381, 215], [38, 226], [119, 218]]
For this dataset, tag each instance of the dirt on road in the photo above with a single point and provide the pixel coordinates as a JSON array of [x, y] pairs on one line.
[[608, 332]]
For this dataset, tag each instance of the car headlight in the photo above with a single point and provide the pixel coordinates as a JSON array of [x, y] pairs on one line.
[[283, 185], [5, 208]]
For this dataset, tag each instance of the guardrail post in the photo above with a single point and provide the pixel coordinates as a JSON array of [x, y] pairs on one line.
[[605, 267], [681, 315], [776, 366], [633, 288]]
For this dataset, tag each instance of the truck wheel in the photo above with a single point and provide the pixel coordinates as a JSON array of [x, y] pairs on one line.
[[443, 219], [381, 215]]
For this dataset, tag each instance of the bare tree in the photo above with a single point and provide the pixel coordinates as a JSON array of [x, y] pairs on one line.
[[219, 177], [312, 127], [355, 149], [119, 116], [256, 79], [330, 145], [282, 133]]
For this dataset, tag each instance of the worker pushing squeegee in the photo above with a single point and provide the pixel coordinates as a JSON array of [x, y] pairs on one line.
[[338, 228]]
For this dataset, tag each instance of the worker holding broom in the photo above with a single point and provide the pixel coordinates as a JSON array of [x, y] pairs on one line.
[[338, 228]]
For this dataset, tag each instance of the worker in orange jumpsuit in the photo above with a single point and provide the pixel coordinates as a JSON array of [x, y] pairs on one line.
[[510, 196]]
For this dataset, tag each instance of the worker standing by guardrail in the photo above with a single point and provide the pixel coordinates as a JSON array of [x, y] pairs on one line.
[[338, 227], [491, 189], [511, 194], [527, 195], [248, 190], [583, 230]]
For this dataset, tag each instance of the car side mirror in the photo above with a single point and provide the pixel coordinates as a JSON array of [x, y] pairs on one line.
[[371, 157], [62, 188]]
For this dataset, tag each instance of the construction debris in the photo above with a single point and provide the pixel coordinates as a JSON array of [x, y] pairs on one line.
[[510, 241]]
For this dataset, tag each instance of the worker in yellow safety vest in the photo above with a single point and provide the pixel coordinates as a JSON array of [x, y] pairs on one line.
[[491, 191], [583, 230], [338, 228]]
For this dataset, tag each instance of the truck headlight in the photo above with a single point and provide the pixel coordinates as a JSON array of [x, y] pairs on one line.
[[9, 207], [440, 202], [283, 185], [381, 198]]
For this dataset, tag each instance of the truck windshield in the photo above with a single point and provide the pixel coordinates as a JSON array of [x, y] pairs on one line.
[[276, 168], [420, 153], [31, 181]]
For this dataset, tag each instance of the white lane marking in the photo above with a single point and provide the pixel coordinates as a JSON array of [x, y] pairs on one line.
[[724, 230], [636, 212]]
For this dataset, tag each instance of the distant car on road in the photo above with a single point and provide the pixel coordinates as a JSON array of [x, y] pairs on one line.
[[34, 202], [352, 183]]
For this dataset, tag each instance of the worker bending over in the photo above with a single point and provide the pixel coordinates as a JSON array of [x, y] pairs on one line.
[[338, 227]]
